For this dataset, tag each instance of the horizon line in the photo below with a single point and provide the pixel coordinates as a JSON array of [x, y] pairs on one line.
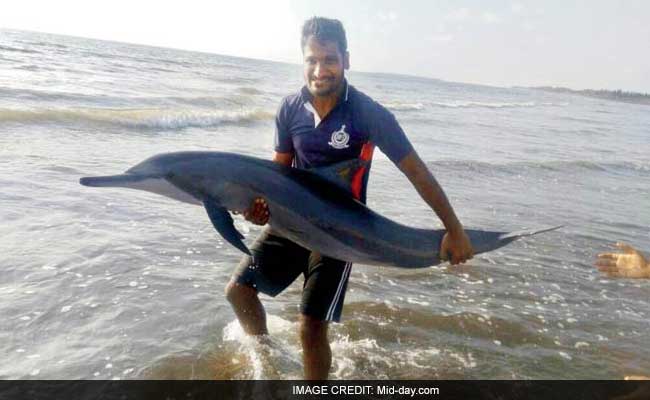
[[401, 74]]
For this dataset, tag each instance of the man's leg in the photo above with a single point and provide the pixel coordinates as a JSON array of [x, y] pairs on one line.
[[316, 353], [322, 301], [248, 308], [276, 263]]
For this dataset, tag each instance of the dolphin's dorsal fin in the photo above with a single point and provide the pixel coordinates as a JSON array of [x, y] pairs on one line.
[[223, 223], [341, 173]]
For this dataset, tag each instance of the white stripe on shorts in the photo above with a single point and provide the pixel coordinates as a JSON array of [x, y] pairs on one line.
[[344, 278]]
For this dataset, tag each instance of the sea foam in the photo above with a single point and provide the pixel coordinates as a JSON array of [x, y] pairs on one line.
[[136, 118]]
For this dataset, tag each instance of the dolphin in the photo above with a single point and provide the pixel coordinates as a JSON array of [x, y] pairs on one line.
[[314, 208]]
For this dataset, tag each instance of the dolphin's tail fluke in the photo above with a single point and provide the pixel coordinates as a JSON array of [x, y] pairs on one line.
[[483, 241], [509, 237], [124, 180]]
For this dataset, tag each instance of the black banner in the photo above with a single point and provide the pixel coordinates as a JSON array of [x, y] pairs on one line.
[[448, 390]]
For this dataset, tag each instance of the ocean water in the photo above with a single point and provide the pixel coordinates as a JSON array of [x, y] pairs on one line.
[[117, 284]]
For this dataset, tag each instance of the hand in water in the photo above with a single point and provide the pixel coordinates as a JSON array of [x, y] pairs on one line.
[[628, 264]]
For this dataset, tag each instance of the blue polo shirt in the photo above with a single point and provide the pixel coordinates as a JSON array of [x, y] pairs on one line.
[[351, 130]]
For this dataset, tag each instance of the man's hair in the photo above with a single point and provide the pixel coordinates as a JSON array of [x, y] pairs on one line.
[[324, 29]]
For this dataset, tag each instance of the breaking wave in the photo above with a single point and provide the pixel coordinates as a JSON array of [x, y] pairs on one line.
[[552, 165], [481, 104], [18, 50], [136, 118], [404, 106], [398, 106], [113, 102]]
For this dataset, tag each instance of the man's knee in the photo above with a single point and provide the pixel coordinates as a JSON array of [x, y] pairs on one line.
[[236, 292], [313, 332]]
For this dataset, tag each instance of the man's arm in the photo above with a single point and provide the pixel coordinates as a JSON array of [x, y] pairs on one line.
[[455, 240], [258, 212]]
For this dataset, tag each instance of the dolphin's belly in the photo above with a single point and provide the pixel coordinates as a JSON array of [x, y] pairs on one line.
[[343, 240], [312, 236]]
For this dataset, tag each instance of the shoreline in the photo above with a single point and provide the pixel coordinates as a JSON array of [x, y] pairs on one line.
[[613, 95]]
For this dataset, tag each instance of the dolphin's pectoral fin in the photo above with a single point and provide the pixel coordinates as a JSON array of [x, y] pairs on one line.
[[223, 223]]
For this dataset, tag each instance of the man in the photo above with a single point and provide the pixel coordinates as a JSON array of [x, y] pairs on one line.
[[328, 121]]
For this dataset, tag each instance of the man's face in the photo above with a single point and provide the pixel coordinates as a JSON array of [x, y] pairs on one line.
[[323, 66]]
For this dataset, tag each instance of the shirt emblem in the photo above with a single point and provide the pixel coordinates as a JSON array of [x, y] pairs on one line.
[[340, 139]]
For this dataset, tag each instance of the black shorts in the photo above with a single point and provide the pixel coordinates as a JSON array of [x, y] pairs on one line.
[[277, 262]]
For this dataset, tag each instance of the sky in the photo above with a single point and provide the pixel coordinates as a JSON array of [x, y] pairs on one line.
[[588, 44]]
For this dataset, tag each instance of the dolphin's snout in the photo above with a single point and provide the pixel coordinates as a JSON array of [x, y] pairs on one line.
[[123, 180]]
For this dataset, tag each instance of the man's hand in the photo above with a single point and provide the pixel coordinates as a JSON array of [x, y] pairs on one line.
[[628, 264], [258, 212], [458, 246]]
